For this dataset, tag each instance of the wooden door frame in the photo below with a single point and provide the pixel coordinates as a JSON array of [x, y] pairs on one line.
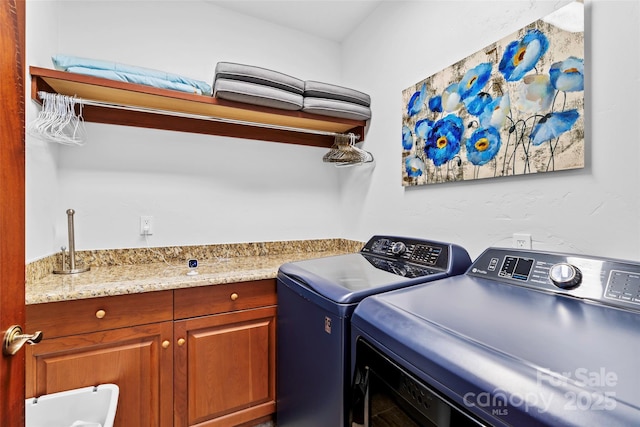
[[12, 204]]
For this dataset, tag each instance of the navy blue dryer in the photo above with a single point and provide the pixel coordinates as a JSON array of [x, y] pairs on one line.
[[315, 301], [524, 338]]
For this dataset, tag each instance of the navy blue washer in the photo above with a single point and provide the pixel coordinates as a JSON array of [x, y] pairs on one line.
[[524, 338]]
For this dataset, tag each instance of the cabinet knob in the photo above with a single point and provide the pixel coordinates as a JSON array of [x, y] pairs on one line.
[[100, 314], [234, 296], [181, 342], [166, 344]]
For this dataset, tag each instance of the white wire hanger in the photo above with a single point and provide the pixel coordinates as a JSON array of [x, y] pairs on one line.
[[58, 120]]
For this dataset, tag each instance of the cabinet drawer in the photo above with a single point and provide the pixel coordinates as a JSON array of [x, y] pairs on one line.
[[57, 319], [204, 300]]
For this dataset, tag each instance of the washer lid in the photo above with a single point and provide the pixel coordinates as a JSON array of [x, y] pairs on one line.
[[566, 361], [351, 277]]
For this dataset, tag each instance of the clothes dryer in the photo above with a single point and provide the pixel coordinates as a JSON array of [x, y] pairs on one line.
[[315, 301]]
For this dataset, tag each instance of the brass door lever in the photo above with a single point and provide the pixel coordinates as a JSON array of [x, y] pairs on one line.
[[14, 339]]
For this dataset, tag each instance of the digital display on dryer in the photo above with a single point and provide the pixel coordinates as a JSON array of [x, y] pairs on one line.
[[516, 268], [425, 254]]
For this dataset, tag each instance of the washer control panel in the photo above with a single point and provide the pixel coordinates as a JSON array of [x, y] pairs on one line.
[[609, 281], [422, 252], [400, 268]]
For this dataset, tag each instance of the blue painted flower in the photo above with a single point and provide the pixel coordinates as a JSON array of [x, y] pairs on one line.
[[443, 142], [417, 101], [474, 80], [451, 98], [435, 104], [521, 56], [483, 145], [407, 137], [476, 104], [496, 112], [568, 75], [553, 125], [414, 166], [423, 127], [534, 94]]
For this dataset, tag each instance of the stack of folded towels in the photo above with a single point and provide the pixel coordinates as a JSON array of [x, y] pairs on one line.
[[269, 88], [257, 86]]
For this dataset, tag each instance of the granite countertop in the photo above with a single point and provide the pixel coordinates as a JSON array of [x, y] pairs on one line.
[[108, 280]]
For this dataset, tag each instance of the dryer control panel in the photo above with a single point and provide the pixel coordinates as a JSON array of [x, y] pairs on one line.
[[423, 252], [608, 281]]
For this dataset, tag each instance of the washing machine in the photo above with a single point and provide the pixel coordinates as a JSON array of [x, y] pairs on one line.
[[523, 338], [316, 299]]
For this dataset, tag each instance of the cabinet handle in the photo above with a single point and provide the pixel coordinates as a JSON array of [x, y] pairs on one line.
[[100, 314], [166, 344], [181, 342], [234, 296]]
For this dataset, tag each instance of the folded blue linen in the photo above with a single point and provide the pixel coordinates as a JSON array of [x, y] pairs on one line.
[[126, 72], [135, 78]]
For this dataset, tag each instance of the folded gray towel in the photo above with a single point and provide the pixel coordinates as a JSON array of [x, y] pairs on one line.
[[256, 94], [315, 89], [336, 108], [258, 75]]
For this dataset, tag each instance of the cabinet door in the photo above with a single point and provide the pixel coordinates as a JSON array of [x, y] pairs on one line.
[[225, 368], [138, 359]]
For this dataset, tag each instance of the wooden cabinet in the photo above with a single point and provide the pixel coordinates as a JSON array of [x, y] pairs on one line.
[[200, 356], [225, 357], [126, 340]]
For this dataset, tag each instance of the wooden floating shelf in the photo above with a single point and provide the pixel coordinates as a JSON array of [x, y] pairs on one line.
[[149, 107]]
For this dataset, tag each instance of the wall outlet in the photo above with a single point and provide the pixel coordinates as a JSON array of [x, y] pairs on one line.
[[522, 240], [146, 225]]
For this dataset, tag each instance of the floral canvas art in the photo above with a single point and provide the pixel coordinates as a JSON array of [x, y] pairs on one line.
[[513, 108]]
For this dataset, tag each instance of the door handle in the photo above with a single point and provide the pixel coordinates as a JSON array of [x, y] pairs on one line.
[[14, 339]]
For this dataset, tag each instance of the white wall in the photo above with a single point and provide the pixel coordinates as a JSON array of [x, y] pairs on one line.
[[200, 189], [41, 157], [205, 189], [594, 210]]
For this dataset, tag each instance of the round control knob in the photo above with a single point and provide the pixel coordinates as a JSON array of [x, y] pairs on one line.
[[398, 248], [565, 276]]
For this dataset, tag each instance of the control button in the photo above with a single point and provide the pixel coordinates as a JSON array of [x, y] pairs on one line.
[[565, 276], [398, 248]]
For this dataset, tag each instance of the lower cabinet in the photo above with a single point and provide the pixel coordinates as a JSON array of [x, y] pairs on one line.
[[225, 355], [200, 356], [133, 358], [224, 372]]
